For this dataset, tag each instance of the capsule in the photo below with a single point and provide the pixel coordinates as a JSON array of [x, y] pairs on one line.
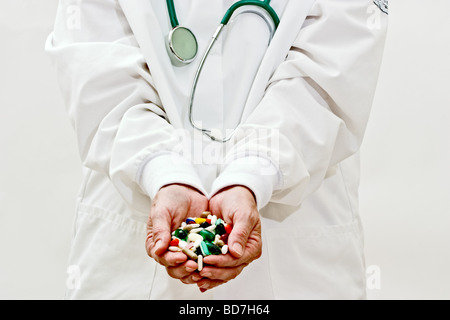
[[200, 263], [204, 248], [207, 235], [191, 254], [213, 249]]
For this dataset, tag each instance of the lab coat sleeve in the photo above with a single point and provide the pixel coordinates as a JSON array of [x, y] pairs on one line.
[[121, 126], [315, 109]]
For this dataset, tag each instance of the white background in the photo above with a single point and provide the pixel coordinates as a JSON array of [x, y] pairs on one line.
[[405, 189]]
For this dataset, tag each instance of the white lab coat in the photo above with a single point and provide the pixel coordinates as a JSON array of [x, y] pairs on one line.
[[296, 147]]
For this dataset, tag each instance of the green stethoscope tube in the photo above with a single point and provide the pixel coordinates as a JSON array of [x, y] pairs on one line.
[[262, 4], [172, 14], [187, 42], [182, 44]]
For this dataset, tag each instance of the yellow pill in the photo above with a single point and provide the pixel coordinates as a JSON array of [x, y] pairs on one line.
[[199, 220]]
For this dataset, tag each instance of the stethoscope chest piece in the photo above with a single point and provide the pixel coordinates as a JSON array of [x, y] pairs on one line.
[[182, 45]]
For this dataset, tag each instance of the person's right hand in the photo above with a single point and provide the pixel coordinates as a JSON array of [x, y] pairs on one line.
[[171, 206]]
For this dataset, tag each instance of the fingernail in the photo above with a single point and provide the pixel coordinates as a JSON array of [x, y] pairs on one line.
[[238, 249], [202, 290]]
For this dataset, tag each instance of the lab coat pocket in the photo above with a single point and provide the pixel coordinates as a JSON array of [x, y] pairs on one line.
[[317, 262], [108, 258]]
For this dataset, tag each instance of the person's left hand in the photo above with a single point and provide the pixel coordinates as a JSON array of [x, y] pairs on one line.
[[235, 205]]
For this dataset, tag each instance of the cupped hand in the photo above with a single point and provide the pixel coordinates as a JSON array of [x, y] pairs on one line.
[[235, 205], [171, 206]]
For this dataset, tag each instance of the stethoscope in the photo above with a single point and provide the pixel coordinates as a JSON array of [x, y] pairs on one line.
[[182, 46]]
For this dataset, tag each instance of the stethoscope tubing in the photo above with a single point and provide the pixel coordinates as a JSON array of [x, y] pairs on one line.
[[264, 4], [195, 82], [214, 38]]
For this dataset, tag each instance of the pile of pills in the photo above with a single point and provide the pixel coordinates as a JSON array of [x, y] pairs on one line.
[[200, 237]]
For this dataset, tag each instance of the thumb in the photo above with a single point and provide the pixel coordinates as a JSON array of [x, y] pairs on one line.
[[237, 240], [159, 233]]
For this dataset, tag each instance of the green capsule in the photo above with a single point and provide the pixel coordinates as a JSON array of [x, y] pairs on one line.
[[213, 249], [207, 235], [181, 234], [204, 249], [219, 221], [220, 229]]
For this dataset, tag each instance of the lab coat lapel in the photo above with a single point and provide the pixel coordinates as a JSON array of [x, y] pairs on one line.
[[291, 22], [150, 37]]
